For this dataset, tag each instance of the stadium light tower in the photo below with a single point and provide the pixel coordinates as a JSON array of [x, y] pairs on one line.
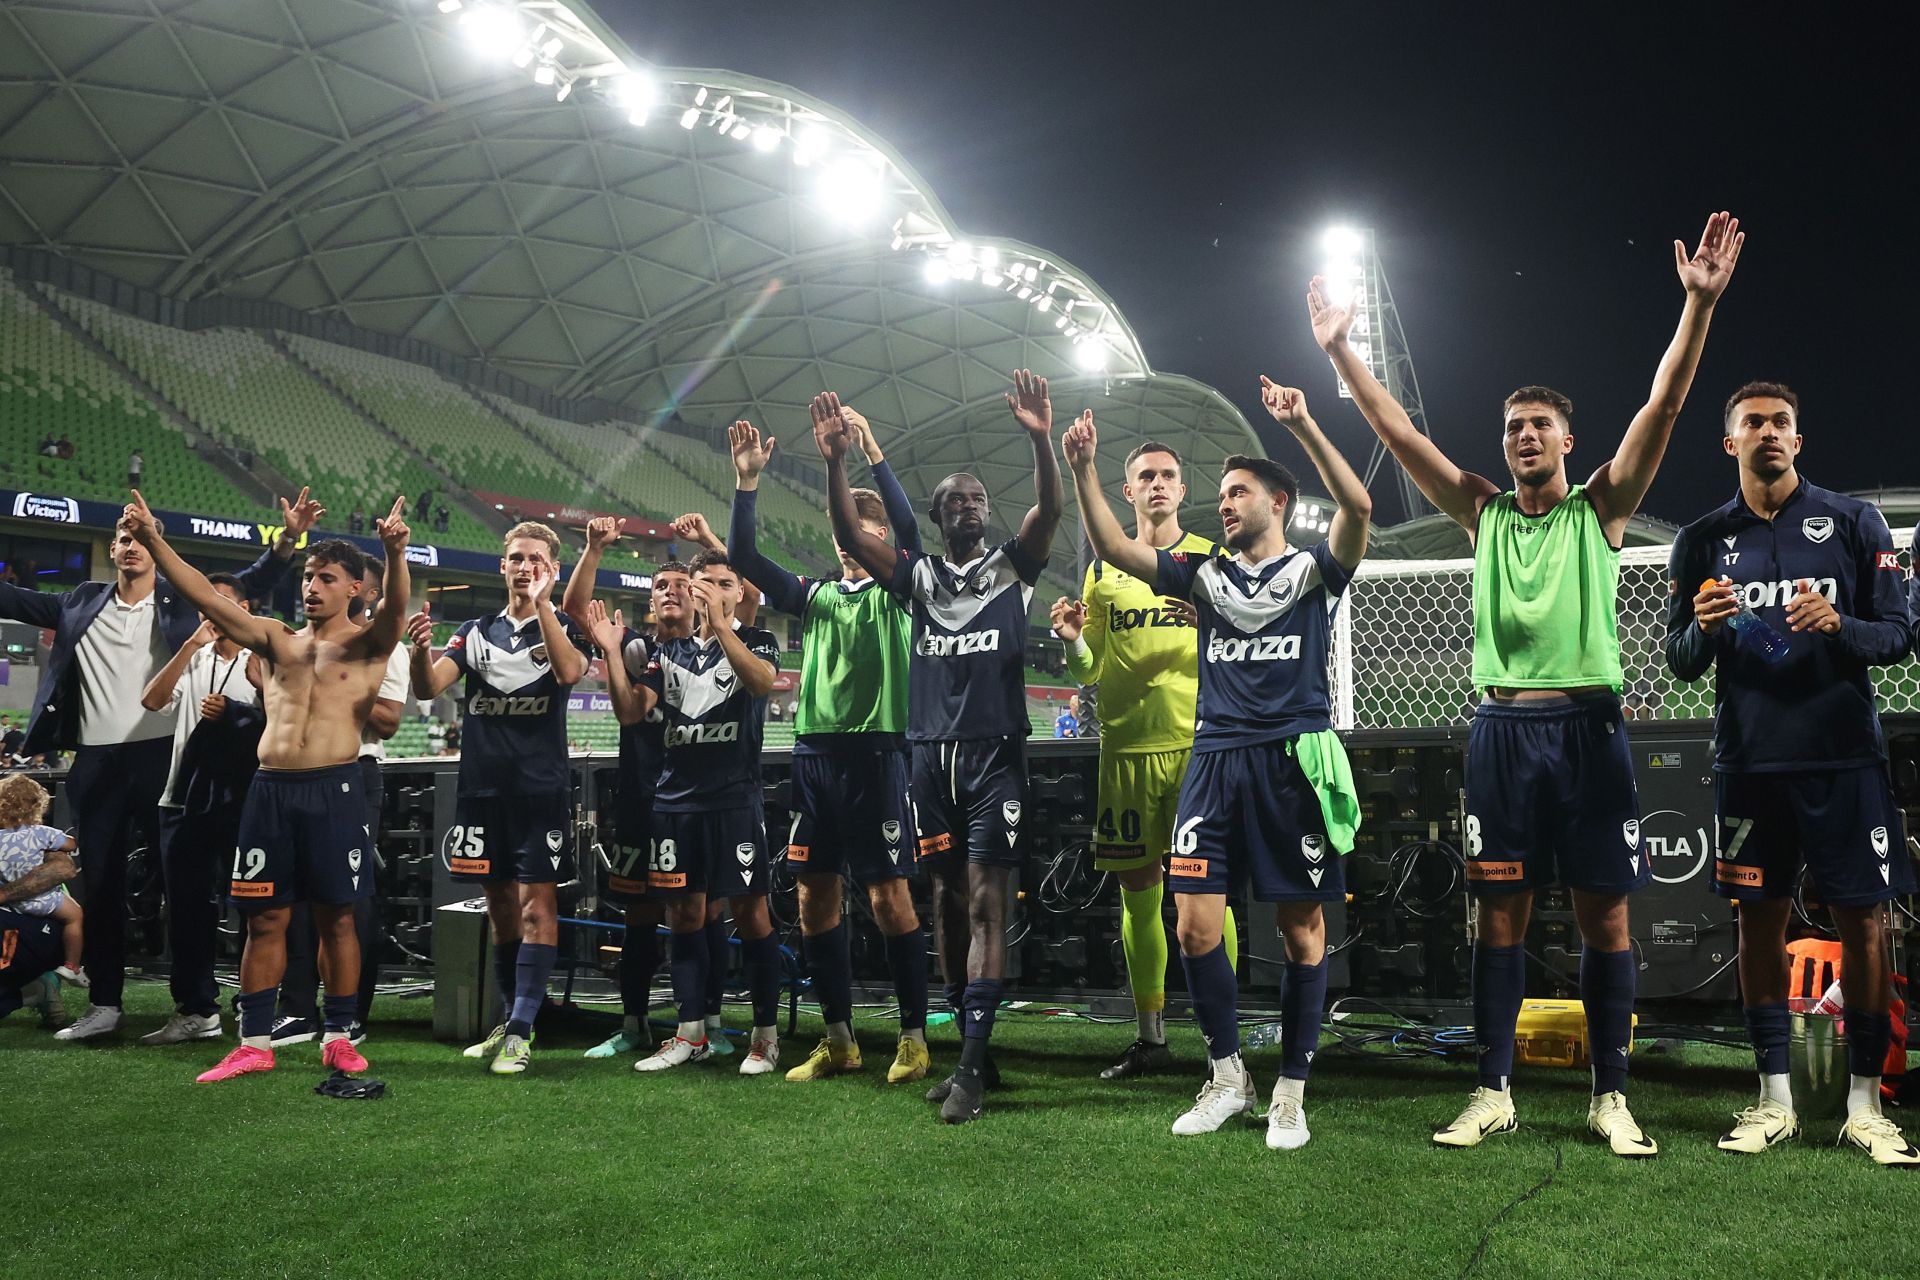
[[1378, 339]]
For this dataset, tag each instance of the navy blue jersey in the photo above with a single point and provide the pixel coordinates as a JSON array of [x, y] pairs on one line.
[[966, 678], [1265, 631], [643, 746], [713, 725], [1913, 585], [514, 732], [1814, 709]]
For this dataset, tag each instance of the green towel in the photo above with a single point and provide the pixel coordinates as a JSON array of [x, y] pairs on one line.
[[1324, 761]]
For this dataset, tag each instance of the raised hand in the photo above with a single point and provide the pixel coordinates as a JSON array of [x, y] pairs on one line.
[[1286, 405], [204, 634], [862, 433], [1331, 324], [605, 632], [1707, 271], [1080, 441], [1031, 408], [1068, 617], [694, 528], [1181, 609], [139, 521], [750, 457], [604, 531], [707, 606], [542, 583], [301, 515], [831, 434], [393, 530], [420, 627]]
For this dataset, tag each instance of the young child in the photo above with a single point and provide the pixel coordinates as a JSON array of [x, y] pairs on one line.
[[24, 845]]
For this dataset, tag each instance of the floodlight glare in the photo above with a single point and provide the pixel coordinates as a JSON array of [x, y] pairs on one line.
[[991, 278], [938, 272], [766, 138], [1091, 356], [989, 256], [560, 94], [690, 117], [449, 6], [1044, 303], [959, 251], [852, 188], [493, 31], [1342, 242], [543, 74]]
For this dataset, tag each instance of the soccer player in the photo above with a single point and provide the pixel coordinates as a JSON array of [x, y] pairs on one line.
[[209, 688], [514, 813], [1800, 764], [301, 838], [296, 1021], [851, 813], [1139, 648], [966, 709], [109, 640], [1269, 795], [642, 751], [1550, 788], [709, 839]]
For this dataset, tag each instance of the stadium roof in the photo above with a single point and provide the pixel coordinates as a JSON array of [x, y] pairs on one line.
[[507, 181]]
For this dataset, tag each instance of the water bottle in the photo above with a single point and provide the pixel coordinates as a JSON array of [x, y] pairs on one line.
[[1751, 627]]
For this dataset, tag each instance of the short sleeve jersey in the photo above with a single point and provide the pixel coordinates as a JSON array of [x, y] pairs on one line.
[[1265, 634], [966, 676], [713, 725], [514, 731]]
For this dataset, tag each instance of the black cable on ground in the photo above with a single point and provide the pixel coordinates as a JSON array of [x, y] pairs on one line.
[[1486, 1237]]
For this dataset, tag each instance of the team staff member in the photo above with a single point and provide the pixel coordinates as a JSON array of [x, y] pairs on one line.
[[211, 689], [109, 641], [1139, 648], [966, 709], [514, 814], [1800, 764], [1550, 788], [301, 840], [298, 1019]]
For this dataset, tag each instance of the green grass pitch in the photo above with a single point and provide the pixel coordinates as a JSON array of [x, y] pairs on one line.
[[122, 1166]]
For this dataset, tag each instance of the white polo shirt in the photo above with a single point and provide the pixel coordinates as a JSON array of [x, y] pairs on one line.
[[119, 653], [207, 672], [393, 687]]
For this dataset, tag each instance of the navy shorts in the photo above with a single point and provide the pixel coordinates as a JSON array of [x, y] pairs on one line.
[[1841, 824], [523, 838], [851, 815], [303, 838], [968, 801], [1551, 798], [625, 880], [721, 853], [1249, 813], [29, 946]]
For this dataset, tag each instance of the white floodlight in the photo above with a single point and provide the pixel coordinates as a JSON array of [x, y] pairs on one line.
[[852, 188], [1044, 303], [959, 251], [1060, 323], [449, 6], [767, 137], [742, 130], [552, 47], [690, 117], [560, 94], [1342, 242], [1091, 356], [938, 272], [991, 278], [700, 96], [963, 271], [1023, 293], [809, 143], [523, 55], [989, 256], [543, 74]]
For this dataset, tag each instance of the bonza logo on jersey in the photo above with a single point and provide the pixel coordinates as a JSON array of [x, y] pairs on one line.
[[1253, 649], [933, 646], [1761, 595], [701, 735], [1119, 619]]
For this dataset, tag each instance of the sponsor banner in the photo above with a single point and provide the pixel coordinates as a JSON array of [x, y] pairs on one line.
[[570, 516], [53, 508], [589, 704]]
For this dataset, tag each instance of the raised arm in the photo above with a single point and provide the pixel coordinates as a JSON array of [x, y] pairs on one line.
[[245, 628], [390, 619], [1617, 488], [1347, 532], [757, 672], [431, 676], [832, 436], [55, 869], [1110, 541], [158, 695], [563, 655], [1456, 492], [609, 636], [24, 604], [602, 532], [1034, 412], [784, 589], [901, 520]]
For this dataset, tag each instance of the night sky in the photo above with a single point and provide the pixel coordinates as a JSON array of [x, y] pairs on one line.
[[1525, 176]]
